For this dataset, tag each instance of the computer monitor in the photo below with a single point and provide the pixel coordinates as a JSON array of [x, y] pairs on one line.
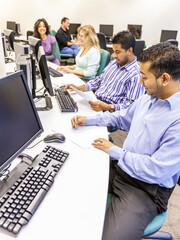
[[21, 48], [11, 26], [73, 28], [10, 35], [38, 50], [106, 29], [2, 61], [4, 45], [19, 118], [168, 34], [138, 28]]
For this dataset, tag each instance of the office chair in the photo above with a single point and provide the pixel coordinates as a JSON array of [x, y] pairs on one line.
[[29, 33], [102, 40], [152, 230], [173, 41], [58, 55], [62, 56], [52, 32], [105, 58], [139, 46]]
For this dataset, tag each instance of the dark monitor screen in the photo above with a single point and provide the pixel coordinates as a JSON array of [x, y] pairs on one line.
[[38, 50], [19, 120], [138, 28], [168, 34], [11, 25], [106, 29], [10, 36], [73, 28]]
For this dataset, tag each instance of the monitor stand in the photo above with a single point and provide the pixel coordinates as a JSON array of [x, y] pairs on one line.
[[48, 103]]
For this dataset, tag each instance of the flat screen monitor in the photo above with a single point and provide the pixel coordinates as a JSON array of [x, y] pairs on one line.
[[18, 116], [168, 34], [10, 36], [11, 26], [138, 28], [106, 29], [38, 50], [73, 28], [4, 45]]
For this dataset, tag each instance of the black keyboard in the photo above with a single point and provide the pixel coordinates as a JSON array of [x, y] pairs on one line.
[[54, 73], [65, 101], [21, 200]]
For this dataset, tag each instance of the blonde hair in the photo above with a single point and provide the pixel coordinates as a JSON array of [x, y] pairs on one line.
[[90, 35]]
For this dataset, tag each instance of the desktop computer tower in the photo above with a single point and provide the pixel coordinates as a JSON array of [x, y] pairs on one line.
[[24, 63]]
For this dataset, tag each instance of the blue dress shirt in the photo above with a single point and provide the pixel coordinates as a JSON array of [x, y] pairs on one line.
[[151, 151], [118, 85]]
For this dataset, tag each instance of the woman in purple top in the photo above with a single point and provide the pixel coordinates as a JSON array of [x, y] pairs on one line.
[[41, 31]]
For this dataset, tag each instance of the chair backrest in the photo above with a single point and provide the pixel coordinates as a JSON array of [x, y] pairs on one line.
[[102, 40], [29, 33], [52, 32], [173, 41], [58, 54], [105, 58], [139, 46]]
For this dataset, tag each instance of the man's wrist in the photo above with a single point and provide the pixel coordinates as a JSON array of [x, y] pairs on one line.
[[112, 107]]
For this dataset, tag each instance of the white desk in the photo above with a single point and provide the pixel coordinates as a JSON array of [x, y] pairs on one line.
[[74, 208]]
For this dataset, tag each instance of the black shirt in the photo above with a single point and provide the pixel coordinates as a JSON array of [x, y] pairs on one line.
[[62, 38]]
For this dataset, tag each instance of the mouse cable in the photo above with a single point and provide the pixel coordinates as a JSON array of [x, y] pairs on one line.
[[35, 144]]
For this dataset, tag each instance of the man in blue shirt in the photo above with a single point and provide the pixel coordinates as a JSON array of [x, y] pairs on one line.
[[118, 85], [145, 170]]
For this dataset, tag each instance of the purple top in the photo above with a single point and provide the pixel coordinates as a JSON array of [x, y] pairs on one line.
[[47, 45]]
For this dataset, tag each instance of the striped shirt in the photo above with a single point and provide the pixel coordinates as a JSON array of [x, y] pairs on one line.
[[118, 85]]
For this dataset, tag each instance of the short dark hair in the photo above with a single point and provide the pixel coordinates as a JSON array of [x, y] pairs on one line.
[[64, 19], [164, 57], [36, 25], [125, 38]]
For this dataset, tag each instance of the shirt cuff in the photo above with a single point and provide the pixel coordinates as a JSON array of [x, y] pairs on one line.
[[117, 107], [92, 120], [116, 153], [87, 87]]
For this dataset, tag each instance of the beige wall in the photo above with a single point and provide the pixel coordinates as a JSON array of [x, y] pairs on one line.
[[154, 15]]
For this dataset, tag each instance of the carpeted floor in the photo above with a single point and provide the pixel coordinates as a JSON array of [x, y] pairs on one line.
[[172, 224]]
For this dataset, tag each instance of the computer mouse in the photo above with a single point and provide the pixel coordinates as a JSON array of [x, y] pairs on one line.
[[55, 137]]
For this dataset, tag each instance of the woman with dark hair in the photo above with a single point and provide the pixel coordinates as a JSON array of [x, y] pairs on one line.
[[41, 31]]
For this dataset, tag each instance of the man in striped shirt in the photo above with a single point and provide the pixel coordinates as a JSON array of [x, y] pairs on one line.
[[118, 85]]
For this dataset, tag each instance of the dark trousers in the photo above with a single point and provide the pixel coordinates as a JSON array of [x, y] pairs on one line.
[[134, 205]]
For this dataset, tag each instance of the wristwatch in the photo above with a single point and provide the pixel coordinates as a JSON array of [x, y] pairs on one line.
[[112, 109]]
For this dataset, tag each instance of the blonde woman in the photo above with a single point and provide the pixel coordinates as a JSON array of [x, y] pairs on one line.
[[88, 58]]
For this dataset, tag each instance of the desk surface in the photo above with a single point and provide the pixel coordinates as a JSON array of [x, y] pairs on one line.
[[74, 208]]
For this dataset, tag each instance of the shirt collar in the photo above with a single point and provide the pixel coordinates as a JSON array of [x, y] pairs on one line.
[[172, 100], [128, 65]]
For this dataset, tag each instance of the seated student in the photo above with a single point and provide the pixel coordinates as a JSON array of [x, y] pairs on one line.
[[41, 31], [134, 31], [118, 85], [145, 170], [63, 37], [88, 58]]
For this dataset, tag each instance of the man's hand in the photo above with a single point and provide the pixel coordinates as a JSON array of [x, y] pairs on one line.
[[102, 144], [78, 121], [100, 106], [81, 88]]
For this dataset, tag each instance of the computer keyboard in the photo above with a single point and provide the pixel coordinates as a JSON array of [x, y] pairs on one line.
[[65, 101], [19, 203], [54, 73]]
